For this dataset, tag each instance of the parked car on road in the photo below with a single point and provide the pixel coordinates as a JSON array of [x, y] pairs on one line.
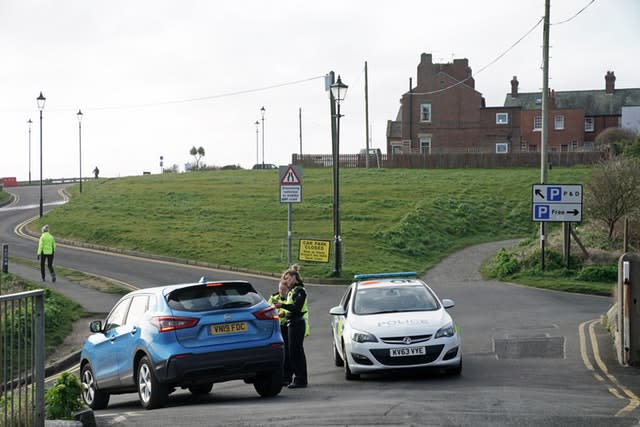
[[393, 321], [189, 336], [264, 166]]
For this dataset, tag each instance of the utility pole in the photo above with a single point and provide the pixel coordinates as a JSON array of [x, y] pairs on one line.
[[545, 116], [366, 111], [300, 129]]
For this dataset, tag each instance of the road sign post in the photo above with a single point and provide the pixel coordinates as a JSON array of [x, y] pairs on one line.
[[290, 192]]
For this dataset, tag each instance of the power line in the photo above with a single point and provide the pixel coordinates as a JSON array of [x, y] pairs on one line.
[[576, 14]]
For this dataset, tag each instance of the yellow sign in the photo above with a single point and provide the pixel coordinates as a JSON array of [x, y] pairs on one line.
[[314, 250]]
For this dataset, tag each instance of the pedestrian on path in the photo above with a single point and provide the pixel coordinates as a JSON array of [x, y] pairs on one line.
[[46, 249], [297, 308]]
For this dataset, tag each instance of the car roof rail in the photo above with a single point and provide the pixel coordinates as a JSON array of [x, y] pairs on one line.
[[385, 275]]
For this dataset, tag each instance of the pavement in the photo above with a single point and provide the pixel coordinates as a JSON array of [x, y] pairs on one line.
[[97, 304]]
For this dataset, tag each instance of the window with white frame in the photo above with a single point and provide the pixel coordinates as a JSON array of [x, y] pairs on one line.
[[502, 118], [425, 112], [564, 148], [574, 145], [537, 123], [589, 124], [523, 146], [533, 148], [559, 122], [502, 147], [425, 145]]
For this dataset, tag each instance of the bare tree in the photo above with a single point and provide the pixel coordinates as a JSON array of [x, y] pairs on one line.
[[612, 192], [615, 139], [197, 154]]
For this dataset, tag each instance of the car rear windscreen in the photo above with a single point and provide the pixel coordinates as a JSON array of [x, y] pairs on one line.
[[213, 296]]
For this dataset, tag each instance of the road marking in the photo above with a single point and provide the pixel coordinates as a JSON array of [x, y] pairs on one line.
[[634, 401]]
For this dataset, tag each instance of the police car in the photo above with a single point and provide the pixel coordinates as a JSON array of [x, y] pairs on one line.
[[393, 321]]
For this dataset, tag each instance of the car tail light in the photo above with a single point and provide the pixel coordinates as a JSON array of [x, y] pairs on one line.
[[268, 313], [171, 323]]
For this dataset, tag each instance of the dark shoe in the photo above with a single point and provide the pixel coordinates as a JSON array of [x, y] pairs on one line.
[[53, 278], [44, 280], [296, 385], [286, 382]]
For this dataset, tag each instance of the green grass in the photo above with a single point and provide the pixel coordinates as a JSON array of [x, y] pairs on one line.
[[4, 196], [392, 219]]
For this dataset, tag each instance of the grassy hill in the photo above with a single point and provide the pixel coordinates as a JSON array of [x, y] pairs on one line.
[[392, 219]]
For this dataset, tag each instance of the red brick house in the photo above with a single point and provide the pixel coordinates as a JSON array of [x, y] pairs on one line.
[[444, 113]]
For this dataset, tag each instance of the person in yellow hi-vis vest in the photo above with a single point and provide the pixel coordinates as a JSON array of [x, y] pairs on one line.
[[296, 306], [46, 249], [280, 297]]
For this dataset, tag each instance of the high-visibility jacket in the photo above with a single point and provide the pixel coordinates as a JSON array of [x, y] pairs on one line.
[[46, 245], [276, 298], [295, 309]]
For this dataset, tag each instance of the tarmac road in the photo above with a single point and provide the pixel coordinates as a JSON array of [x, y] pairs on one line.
[[531, 357]]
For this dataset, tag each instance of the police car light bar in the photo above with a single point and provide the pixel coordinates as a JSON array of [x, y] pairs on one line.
[[385, 275]]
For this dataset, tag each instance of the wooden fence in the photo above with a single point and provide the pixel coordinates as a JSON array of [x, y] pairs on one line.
[[450, 160]]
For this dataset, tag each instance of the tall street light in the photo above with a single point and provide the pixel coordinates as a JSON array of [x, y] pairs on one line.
[[79, 114], [262, 110], [29, 122], [338, 92], [257, 146], [40, 99]]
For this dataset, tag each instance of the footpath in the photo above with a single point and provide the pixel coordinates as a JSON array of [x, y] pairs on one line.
[[95, 303]]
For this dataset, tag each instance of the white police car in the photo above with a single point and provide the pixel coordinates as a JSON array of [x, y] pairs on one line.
[[393, 321]]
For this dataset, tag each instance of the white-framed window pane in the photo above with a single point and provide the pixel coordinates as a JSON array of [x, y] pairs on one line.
[[588, 124], [502, 147], [502, 118], [533, 148], [559, 122], [564, 148], [574, 145], [537, 123], [425, 112], [425, 145], [523, 146]]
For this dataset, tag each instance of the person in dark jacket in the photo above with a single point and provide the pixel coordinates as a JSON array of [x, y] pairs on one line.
[[280, 297], [296, 310]]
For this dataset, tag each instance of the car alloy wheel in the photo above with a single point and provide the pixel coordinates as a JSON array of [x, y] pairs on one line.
[[152, 393], [94, 398]]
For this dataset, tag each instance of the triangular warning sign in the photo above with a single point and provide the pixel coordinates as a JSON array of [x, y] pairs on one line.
[[290, 177]]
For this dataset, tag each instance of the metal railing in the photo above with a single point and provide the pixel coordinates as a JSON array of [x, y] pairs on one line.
[[22, 359]]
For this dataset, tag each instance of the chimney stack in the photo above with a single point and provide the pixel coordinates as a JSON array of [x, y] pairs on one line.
[[514, 87], [610, 80]]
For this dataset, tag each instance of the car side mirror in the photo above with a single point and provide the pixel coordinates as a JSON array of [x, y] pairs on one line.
[[338, 311], [95, 326], [448, 303]]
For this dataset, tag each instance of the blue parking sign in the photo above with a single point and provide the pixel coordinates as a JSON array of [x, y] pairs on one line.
[[541, 212], [554, 194]]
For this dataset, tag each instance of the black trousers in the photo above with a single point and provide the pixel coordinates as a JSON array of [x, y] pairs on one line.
[[288, 370], [296, 329], [49, 260]]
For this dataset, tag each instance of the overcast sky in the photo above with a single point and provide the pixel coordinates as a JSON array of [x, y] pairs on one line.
[[154, 77]]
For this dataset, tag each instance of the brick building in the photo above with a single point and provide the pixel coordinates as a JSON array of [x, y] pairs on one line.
[[444, 113]]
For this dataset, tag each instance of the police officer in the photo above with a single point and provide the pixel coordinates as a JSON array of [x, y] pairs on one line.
[[296, 306], [280, 297]]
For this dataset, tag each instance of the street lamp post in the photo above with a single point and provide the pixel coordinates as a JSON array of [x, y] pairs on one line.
[[257, 146], [79, 114], [338, 92], [262, 111], [29, 122], [41, 99]]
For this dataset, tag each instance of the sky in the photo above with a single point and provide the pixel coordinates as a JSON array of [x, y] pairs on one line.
[[156, 77]]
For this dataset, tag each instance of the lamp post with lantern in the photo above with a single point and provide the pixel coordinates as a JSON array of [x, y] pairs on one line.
[[338, 93], [40, 100], [79, 114]]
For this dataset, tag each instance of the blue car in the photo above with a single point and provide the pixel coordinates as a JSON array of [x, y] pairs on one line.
[[189, 336]]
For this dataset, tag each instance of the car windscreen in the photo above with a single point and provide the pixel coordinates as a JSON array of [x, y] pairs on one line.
[[213, 296], [394, 299]]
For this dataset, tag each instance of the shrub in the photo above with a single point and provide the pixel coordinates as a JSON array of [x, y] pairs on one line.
[[63, 399], [598, 273], [505, 264]]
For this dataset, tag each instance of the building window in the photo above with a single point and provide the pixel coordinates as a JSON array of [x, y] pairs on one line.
[[502, 147], [502, 118], [564, 148], [559, 123], [533, 148], [537, 123], [425, 145], [425, 113], [574, 145], [523, 146], [588, 124]]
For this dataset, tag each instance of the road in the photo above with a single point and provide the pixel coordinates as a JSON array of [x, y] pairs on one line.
[[531, 357]]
